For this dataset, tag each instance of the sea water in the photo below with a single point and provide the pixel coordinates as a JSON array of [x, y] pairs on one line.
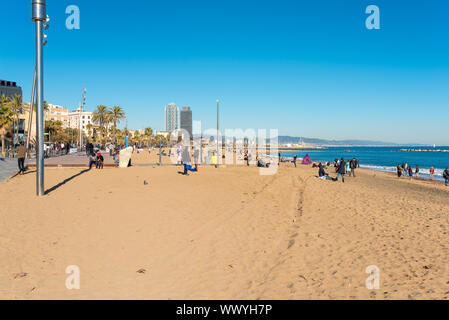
[[383, 158]]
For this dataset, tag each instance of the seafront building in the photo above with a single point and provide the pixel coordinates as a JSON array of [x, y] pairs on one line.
[[9, 88], [74, 120], [171, 117], [57, 113], [186, 120]]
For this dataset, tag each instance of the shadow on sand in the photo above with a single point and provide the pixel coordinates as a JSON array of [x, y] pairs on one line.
[[65, 181]]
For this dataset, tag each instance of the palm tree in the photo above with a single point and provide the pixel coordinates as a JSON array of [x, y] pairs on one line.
[[99, 116], [108, 120], [17, 108], [148, 133], [89, 129], [6, 118], [117, 115]]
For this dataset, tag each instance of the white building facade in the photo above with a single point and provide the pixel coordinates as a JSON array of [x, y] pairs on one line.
[[74, 120]]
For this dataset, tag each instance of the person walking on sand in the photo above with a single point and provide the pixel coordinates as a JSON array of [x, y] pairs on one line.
[[348, 168], [353, 164], [294, 159], [21, 154], [432, 172], [399, 170], [341, 170], [446, 176], [417, 171]]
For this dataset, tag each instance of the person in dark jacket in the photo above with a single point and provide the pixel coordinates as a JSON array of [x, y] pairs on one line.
[[446, 176], [353, 166], [341, 170], [321, 172]]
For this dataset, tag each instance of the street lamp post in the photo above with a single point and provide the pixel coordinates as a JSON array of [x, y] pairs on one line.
[[39, 16], [218, 109], [83, 102]]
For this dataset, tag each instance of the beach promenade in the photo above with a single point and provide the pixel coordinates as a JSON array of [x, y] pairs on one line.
[[8, 167], [225, 233]]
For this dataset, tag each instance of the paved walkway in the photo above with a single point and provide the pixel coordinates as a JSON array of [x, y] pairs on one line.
[[8, 167]]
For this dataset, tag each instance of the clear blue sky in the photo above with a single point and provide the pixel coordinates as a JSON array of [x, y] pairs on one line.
[[308, 68]]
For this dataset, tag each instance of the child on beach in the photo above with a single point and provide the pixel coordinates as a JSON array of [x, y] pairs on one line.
[[100, 161], [432, 172], [348, 168]]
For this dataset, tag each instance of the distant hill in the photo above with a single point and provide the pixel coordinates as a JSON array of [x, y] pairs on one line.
[[316, 141]]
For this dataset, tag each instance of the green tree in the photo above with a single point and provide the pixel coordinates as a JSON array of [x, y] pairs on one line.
[[147, 134], [17, 107], [6, 118], [117, 115], [99, 116]]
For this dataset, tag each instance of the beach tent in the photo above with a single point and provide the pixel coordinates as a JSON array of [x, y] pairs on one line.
[[306, 160]]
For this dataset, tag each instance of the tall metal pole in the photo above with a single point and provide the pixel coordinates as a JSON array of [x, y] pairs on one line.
[[83, 98], [30, 116], [39, 16], [218, 109]]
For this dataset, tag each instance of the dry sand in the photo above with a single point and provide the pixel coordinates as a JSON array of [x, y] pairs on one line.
[[224, 233]]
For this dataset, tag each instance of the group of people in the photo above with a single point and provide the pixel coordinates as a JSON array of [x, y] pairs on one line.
[[407, 170], [342, 168]]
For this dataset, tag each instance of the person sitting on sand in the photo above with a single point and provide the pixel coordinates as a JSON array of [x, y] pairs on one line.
[[446, 176], [322, 174], [92, 160], [100, 161]]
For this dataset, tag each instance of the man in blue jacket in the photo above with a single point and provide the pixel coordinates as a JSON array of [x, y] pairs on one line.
[[341, 170]]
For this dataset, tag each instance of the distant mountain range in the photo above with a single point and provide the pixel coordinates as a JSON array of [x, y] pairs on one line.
[[316, 141]]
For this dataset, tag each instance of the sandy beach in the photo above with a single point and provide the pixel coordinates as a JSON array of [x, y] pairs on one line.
[[225, 233]]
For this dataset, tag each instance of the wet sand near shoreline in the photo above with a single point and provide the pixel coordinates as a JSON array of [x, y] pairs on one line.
[[225, 233]]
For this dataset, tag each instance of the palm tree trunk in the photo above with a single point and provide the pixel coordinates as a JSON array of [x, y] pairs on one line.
[[3, 144]]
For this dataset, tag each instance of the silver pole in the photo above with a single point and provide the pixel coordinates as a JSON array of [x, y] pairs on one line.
[[30, 116], [39, 16], [218, 109]]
